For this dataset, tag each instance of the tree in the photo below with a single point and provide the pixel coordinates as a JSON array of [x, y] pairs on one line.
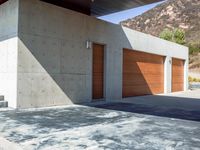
[[176, 35], [194, 47], [179, 36], [166, 34]]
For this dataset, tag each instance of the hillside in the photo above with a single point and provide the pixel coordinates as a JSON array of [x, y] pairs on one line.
[[183, 14]]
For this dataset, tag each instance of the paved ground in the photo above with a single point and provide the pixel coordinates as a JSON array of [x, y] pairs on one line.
[[104, 126], [189, 100]]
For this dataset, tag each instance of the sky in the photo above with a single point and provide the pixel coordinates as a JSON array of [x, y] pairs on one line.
[[124, 15]]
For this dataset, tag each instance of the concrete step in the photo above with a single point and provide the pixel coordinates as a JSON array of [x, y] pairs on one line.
[[3, 104], [1, 98]]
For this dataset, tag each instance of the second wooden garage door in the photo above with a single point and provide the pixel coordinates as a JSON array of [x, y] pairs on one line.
[[143, 73], [177, 75]]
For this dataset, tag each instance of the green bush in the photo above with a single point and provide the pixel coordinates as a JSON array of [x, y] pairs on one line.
[[166, 34], [195, 80], [194, 47], [191, 79], [179, 36], [176, 35]]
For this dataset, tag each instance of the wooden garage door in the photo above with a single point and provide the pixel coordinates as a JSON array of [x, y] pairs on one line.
[[177, 75], [98, 71], [143, 73]]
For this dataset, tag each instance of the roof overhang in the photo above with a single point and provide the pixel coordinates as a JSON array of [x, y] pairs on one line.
[[100, 7], [2, 1]]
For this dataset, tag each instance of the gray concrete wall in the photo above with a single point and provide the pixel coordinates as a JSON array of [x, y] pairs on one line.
[[54, 65], [8, 51]]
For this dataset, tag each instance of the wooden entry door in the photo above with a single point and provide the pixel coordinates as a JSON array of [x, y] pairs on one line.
[[143, 73], [98, 72], [177, 75]]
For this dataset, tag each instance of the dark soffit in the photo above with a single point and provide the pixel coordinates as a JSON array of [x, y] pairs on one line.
[[100, 7]]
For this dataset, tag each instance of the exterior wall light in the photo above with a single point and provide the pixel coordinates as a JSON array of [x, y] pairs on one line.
[[88, 44]]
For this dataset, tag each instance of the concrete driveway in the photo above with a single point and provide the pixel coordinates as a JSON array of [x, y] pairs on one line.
[[105, 126]]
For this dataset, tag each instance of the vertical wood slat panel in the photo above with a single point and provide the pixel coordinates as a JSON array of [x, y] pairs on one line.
[[177, 75], [98, 72], [143, 73]]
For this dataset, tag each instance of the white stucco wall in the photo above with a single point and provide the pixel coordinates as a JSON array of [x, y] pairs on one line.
[[54, 65], [8, 51]]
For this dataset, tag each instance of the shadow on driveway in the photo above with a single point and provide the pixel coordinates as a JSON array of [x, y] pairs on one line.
[[164, 106]]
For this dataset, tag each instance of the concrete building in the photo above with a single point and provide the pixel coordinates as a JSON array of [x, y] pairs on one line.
[[50, 55]]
